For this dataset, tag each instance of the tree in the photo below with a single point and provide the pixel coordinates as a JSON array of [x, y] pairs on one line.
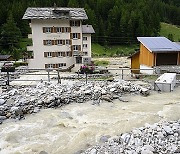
[[10, 34], [170, 37], [73, 3]]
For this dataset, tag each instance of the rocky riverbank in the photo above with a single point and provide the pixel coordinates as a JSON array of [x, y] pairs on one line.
[[159, 138], [16, 102]]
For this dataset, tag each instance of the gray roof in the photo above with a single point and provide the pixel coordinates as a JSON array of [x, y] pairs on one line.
[[87, 29], [158, 44], [4, 57], [55, 13]]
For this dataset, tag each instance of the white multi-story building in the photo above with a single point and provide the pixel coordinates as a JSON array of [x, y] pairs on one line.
[[59, 38]]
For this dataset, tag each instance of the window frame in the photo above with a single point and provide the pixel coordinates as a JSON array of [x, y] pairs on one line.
[[84, 38]]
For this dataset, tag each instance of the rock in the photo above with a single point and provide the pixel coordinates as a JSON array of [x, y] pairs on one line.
[[3, 118], [168, 130], [2, 101], [146, 152], [104, 139], [93, 151], [43, 152]]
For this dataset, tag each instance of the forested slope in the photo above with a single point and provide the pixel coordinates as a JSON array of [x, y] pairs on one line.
[[115, 21]]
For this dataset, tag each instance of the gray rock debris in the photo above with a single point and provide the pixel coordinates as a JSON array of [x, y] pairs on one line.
[[16, 102], [144, 140]]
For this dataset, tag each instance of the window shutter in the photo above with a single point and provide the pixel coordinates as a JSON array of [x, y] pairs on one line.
[[44, 42], [45, 54], [64, 54], [70, 53], [71, 47], [53, 54], [71, 35], [57, 66], [46, 65], [78, 23], [70, 23], [44, 29], [55, 42], [69, 29], [70, 42], [52, 29], [63, 42], [79, 36], [79, 47], [62, 29], [54, 65]]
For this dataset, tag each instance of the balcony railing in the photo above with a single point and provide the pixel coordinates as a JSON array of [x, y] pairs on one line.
[[77, 53]]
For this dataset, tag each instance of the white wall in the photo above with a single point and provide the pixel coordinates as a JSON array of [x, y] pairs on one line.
[[149, 70], [88, 42], [39, 48]]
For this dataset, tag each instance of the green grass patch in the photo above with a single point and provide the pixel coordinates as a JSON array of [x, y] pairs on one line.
[[167, 29], [111, 51], [101, 62]]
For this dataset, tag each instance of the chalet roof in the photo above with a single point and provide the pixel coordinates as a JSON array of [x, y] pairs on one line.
[[55, 13], [87, 29], [137, 52], [4, 57], [159, 44]]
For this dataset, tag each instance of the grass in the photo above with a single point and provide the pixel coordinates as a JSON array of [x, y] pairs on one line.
[[110, 51], [101, 62], [167, 29]]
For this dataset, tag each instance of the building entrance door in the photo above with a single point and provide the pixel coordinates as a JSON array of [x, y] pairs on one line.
[[79, 60]]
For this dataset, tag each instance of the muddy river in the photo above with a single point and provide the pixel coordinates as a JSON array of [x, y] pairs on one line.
[[77, 126]]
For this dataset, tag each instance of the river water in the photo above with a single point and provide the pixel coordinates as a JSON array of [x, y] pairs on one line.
[[77, 126]]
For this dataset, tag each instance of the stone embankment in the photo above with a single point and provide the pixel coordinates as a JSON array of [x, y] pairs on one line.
[[16, 102], [159, 138]]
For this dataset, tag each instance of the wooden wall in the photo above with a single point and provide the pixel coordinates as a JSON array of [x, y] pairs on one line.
[[146, 57], [135, 63], [179, 58]]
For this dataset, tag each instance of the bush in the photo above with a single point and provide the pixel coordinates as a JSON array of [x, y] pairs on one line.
[[17, 64], [86, 69]]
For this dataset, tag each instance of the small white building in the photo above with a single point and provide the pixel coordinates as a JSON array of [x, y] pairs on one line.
[[59, 38]]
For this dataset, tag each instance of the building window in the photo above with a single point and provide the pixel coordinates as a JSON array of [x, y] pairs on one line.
[[59, 42], [61, 64], [66, 29], [75, 23], [50, 65], [84, 45], [61, 54], [67, 42], [47, 42], [49, 54], [85, 53], [75, 35], [48, 30], [84, 38], [59, 29], [86, 60], [68, 53], [75, 47]]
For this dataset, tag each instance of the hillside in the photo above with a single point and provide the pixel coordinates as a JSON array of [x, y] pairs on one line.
[[167, 29]]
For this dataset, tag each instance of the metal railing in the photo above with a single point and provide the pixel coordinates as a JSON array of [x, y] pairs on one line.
[[55, 74]]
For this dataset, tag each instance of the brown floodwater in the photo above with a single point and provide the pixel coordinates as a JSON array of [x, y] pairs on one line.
[[77, 126]]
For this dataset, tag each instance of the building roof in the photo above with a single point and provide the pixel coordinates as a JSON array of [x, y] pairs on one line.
[[137, 52], [87, 29], [55, 13], [159, 44], [4, 57]]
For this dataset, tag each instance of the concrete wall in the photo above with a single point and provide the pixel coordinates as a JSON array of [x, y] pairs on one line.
[[148, 70]]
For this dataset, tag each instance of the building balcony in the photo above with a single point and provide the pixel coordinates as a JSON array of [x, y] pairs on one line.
[[29, 48], [30, 36]]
